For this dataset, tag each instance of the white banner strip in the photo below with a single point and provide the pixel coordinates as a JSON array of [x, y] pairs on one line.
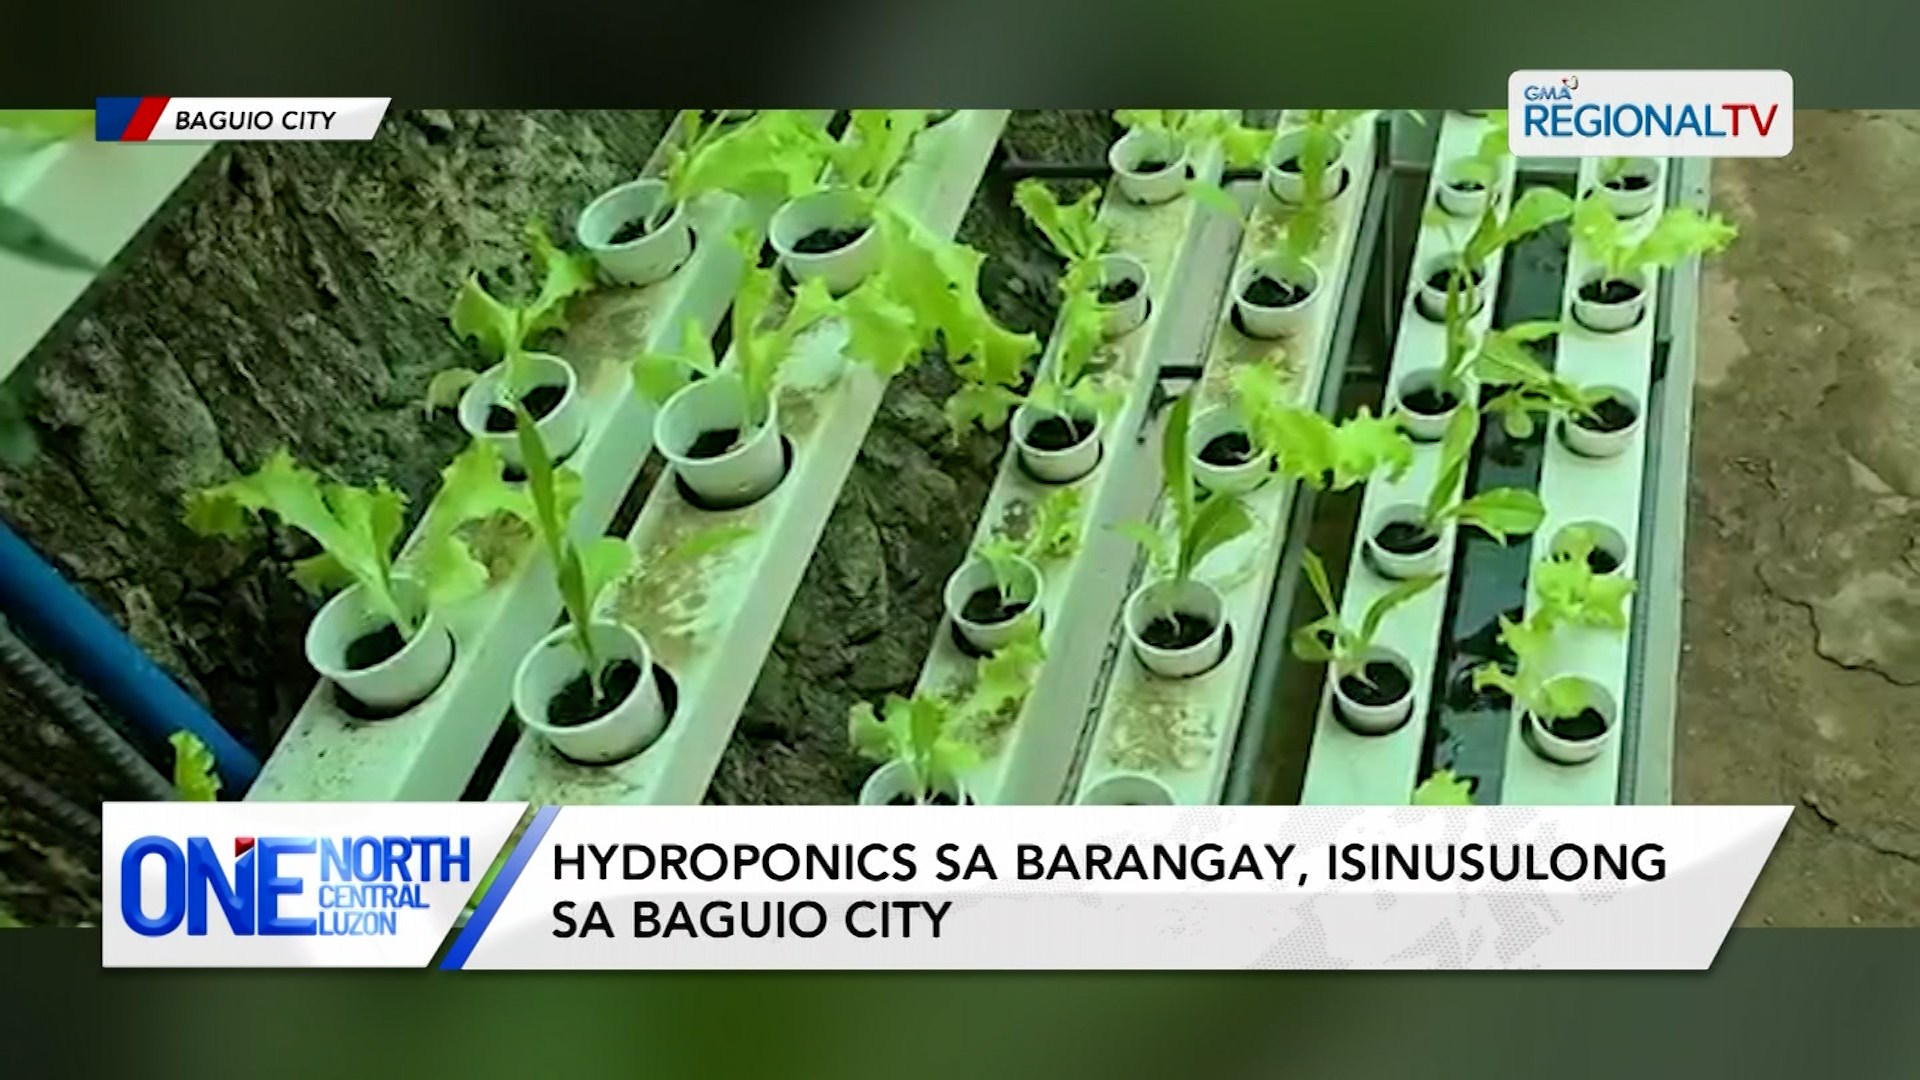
[[1121, 888], [253, 119]]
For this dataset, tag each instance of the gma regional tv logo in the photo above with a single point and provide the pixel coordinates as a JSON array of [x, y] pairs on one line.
[[269, 884], [1650, 113], [364, 885]]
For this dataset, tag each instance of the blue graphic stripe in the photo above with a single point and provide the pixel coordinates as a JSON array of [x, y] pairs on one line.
[[497, 891], [111, 115]]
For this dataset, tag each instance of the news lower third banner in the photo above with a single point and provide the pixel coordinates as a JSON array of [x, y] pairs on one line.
[[502, 885], [181, 119]]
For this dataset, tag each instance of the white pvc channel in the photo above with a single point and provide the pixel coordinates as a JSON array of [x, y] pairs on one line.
[[430, 752], [1186, 248], [1171, 740], [92, 196], [1345, 768], [711, 621], [1580, 490]]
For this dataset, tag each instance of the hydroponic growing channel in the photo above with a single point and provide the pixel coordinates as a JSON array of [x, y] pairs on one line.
[[1352, 472]]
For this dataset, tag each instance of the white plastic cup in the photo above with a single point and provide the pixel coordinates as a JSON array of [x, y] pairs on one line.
[[1234, 479], [1118, 320], [1367, 719], [743, 474], [563, 427], [842, 269], [1609, 318], [630, 727], [892, 780], [1633, 202], [974, 575], [1433, 559], [1604, 444], [1261, 321], [402, 680], [1057, 466], [1188, 598], [1570, 751], [645, 260], [1139, 146]]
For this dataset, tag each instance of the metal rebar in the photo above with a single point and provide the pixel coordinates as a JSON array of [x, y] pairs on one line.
[[25, 789], [78, 717], [77, 635]]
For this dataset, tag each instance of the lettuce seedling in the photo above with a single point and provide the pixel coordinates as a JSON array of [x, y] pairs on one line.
[[761, 345], [1680, 232], [1535, 209], [502, 329], [1075, 230], [1499, 512], [1530, 684], [1190, 129], [1055, 531], [1308, 220], [1003, 555], [1571, 593], [1005, 675], [1328, 640], [1053, 534], [878, 143], [1308, 446], [760, 350], [775, 155], [1494, 148], [472, 489], [1485, 163], [195, 779], [585, 571], [1067, 389], [1201, 523], [919, 733], [1443, 788], [926, 295], [1504, 362], [357, 529]]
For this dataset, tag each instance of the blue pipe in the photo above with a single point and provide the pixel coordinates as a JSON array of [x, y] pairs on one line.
[[62, 623]]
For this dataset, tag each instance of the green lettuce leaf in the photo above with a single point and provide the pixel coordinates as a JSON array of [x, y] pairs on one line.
[[355, 528], [1501, 512], [1443, 788], [195, 777], [1074, 229]]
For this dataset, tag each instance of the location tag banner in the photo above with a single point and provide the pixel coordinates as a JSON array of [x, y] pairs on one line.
[[180, 119]]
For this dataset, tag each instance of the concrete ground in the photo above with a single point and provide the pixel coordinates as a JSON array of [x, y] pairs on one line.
[[1800, 680]]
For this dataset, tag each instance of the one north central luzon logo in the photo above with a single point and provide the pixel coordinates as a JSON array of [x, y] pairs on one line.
[[1552, 111], [364, 883]]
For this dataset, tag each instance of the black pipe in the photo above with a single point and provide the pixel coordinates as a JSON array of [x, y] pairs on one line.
[[1080, 170]]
